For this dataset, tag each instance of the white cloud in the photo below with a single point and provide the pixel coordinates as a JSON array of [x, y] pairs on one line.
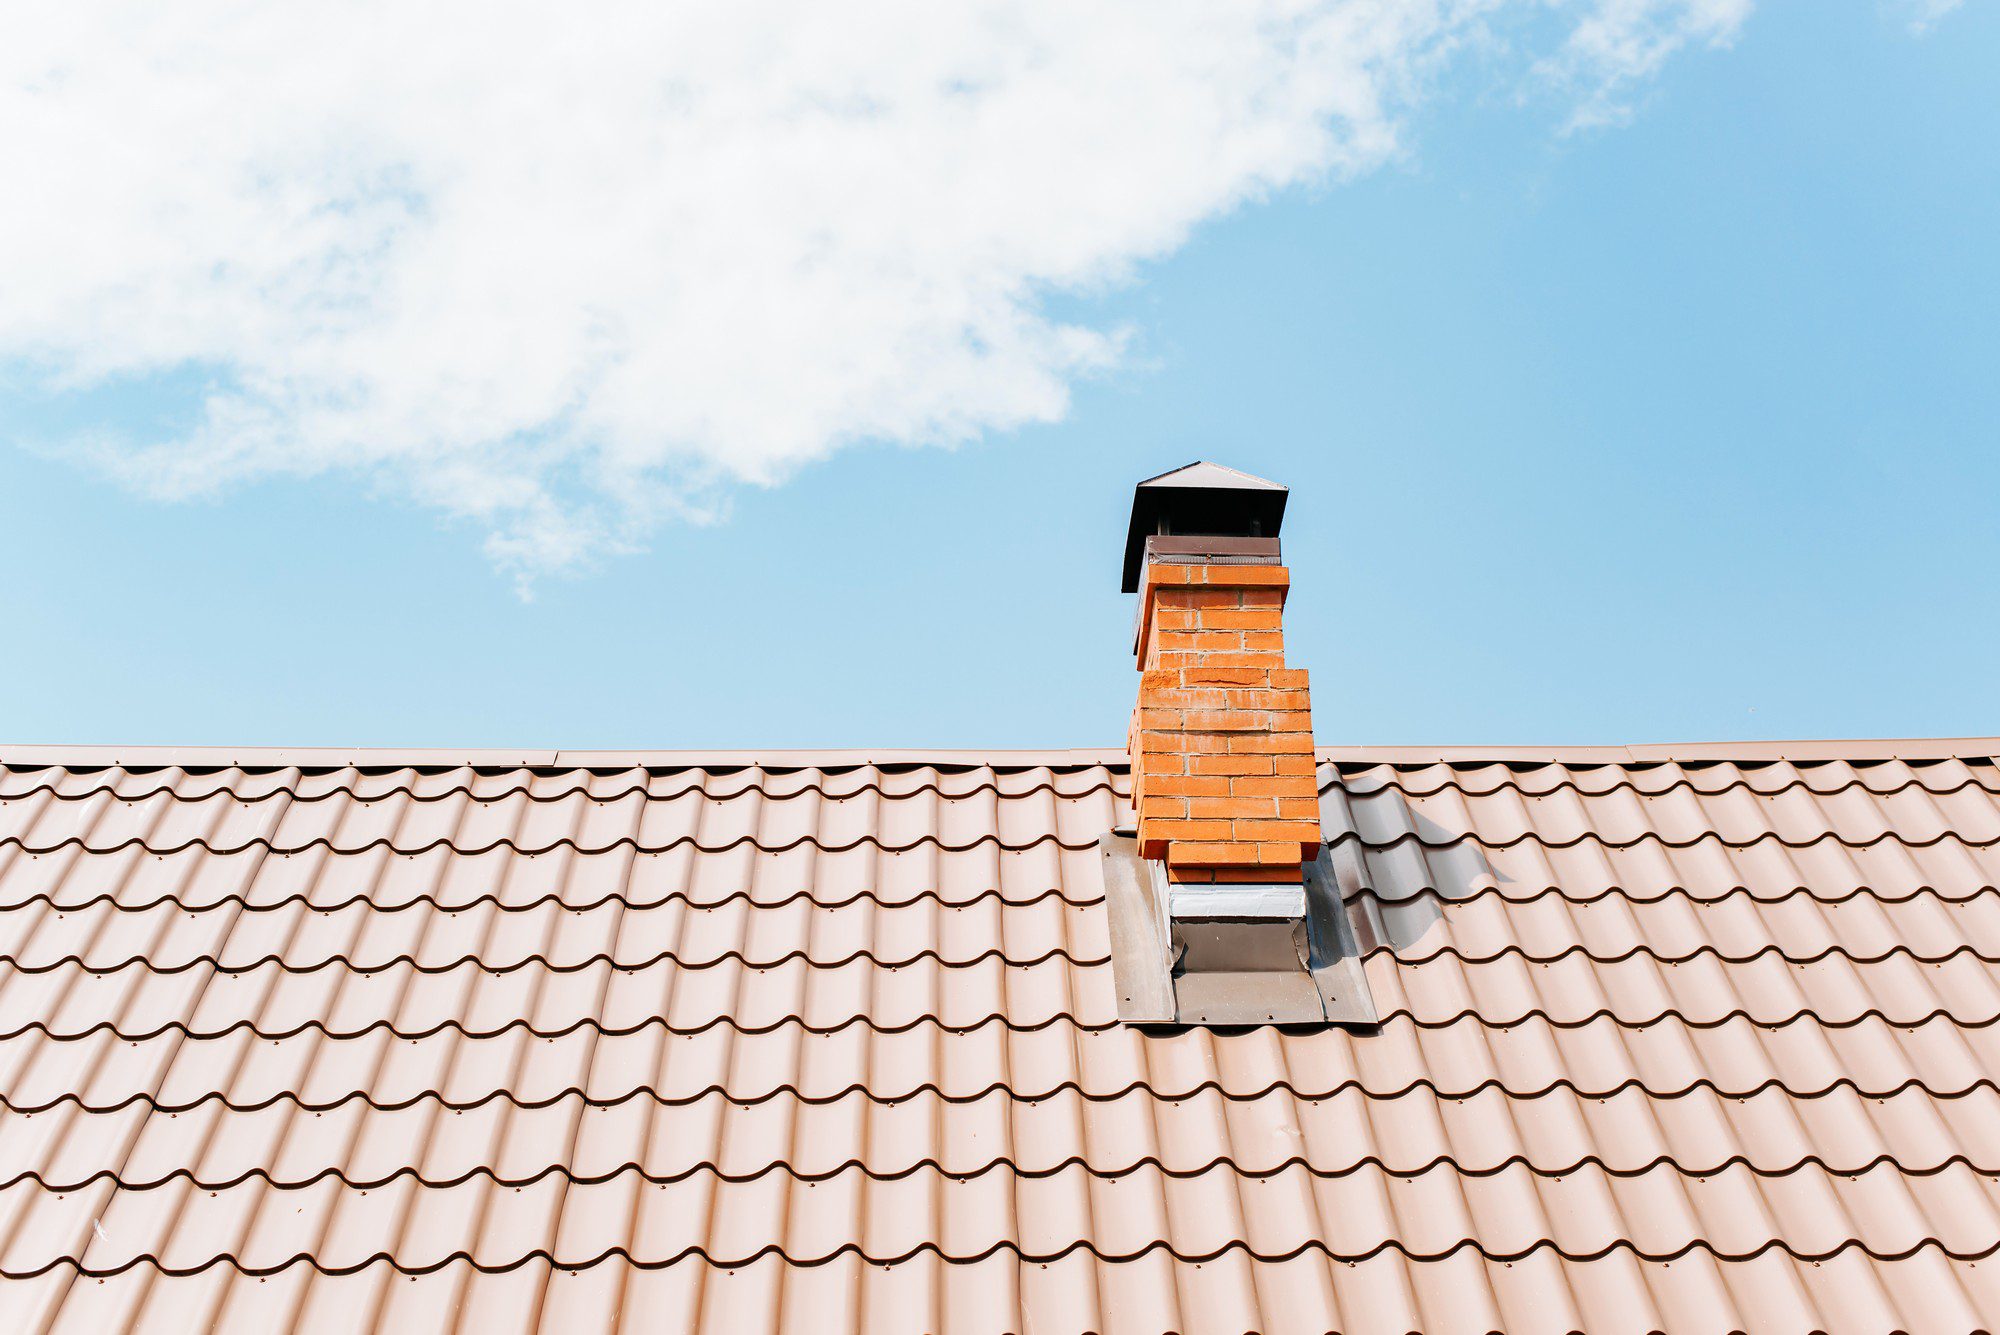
[[1616, 43], [1924, 14], [570, 271]]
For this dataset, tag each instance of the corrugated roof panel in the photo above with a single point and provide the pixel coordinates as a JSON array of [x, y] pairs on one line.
[[1687, 1040], [1658, 1213], [1462, 1295], [1773, 1132]]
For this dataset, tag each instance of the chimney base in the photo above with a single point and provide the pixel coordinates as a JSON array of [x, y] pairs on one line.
[[1286, 955], [1283, 900]]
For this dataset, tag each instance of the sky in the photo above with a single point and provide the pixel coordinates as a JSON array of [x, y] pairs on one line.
[[674, 385]]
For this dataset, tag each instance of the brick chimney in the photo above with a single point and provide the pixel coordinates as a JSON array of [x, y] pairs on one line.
[[1221, 739]]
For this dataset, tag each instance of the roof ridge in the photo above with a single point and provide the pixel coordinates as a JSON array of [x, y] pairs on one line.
[[1639, 753]]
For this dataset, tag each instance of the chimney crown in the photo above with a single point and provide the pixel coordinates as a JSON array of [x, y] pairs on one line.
[[1200, 500]]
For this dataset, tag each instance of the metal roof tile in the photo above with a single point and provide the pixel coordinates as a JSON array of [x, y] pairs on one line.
[[1538, 1294], [1673, 1037], [1658, 1213]]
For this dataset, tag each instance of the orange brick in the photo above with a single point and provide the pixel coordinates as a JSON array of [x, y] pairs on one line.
[[1298, 808], [1204, 641], [1162, 720], [1179, 618], [1272, 743], [1282, 854], [1232, 808], [1271, 641], [1242, 577], [1155, 808], [1208, 676], [1245, 576], [1261, 597], [1284, 785], [1250, 697], [1213, 854], [1272, 831], [1182, 697], [1225, 720], [1240, 659], [1163, 573], [1191, 831], [1229, 765], [1288, 679], [1211, 597], [1189, 786], [1154, 835], [1301, 764], [1246, 618]]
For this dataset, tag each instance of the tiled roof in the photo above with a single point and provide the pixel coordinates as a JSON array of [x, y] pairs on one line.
[[1687, 1039]]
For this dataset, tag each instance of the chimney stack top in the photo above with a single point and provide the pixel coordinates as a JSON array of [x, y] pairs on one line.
[[1200, 500]]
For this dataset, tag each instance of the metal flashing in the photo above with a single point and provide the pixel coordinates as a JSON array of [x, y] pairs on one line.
[[1251, 966], [1138, 938], [1335, 958], [1249, 996], [1193, 903]]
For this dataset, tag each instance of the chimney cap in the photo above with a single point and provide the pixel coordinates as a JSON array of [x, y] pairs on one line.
[[1205, 500]]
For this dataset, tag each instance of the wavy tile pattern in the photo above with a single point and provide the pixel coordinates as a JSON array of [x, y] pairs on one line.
[[1667, 1046]]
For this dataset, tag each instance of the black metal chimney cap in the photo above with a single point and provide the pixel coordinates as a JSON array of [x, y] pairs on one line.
[[1201, 500]]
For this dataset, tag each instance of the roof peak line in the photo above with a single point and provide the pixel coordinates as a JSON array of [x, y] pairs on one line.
[[270, 757]]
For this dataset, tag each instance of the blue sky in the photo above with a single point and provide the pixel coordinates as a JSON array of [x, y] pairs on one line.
[[1678, 429]]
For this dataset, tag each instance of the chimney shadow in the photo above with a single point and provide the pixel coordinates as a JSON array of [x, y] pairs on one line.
[[1396, 894]]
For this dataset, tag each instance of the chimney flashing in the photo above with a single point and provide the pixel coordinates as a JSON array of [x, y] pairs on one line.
[[1233, 971], [1281, 899]]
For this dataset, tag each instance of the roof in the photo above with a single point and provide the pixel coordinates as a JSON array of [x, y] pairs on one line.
[[1679, 1038]]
